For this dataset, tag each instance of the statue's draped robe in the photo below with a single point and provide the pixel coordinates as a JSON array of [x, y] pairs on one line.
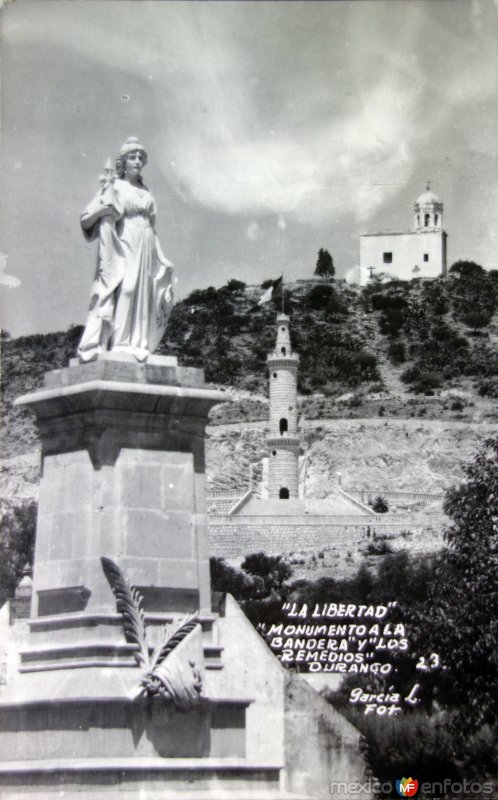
[[132, 294]]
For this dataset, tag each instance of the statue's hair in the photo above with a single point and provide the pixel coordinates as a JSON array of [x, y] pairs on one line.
[[129, 146]]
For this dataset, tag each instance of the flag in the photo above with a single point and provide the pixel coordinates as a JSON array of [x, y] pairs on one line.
[[272, 292]]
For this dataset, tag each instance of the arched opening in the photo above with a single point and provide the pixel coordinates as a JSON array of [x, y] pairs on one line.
[[418, 220], [426, 220], [283, 351], [436, 219], [284, 493], [284, 426]]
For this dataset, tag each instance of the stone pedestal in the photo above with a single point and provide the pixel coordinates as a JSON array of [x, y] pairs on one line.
[[123, 477]]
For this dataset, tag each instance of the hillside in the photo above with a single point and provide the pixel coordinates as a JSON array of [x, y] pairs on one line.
[[400, 350]]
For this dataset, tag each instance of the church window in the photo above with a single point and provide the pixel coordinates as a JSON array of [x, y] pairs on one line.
[[284, 426], [387, 258], [426, 256], [426, 219], [284, 493]]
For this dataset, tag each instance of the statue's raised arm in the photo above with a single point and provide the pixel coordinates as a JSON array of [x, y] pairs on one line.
[[132, 292]]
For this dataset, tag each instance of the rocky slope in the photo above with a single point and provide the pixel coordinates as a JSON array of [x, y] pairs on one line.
[[357, 414]]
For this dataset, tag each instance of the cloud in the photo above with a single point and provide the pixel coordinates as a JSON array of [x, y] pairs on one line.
[[7, 280], [252, 231], [315, 127], [250, 133]]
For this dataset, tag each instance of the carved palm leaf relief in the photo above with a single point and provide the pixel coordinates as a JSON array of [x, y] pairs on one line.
[[179, 680]]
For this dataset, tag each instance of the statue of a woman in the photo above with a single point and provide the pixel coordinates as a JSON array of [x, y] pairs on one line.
[[132, 293]]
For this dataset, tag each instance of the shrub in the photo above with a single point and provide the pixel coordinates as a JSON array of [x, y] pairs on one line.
[[489, 389], [324, 297], [379, 547], [201, 296], [476, 319], [319, 296], [264, 566], [397, 352], [234, 285], [427, 382], [466, 269], [382, 302], [391, 321], [225, 578], [380, 505]]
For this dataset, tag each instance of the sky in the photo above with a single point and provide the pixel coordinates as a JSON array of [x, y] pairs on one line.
[[272, 129]]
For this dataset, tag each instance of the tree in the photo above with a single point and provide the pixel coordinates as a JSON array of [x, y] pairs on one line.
[[459, 620], [325, 264], [466, 269], [17, 538]]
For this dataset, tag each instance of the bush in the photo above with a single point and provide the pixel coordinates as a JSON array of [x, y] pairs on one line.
[[266, 566], [234, 285], [397, 352], [325, 297], [320, 295], [410, 745], [489, 389], [391, 321], [393, 302], [201, 297], [379, 547], [411, 374], [466, 269], [476, 319], [380, 505], [427, 382]]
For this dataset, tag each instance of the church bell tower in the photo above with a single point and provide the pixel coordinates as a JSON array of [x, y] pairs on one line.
[[283, 442]]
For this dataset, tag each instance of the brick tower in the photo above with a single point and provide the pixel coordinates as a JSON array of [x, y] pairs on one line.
[[283, 441]]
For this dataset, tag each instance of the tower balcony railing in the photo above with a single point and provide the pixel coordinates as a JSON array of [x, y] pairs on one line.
[[283, 441], [278, 360]]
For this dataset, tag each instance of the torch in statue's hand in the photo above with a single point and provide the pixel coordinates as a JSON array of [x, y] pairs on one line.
[[108, 196]]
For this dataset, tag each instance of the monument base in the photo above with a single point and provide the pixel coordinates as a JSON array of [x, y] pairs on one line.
[[95, 704]]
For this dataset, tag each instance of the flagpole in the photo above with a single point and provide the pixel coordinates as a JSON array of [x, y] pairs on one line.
[[283, 293]]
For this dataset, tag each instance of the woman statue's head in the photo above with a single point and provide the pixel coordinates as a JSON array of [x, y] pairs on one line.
[[130, 146]]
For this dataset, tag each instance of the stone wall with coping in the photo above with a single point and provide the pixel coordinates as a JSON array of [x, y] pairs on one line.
[[236, 537]]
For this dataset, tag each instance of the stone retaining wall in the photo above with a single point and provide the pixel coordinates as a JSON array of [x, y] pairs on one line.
[[235, 537]]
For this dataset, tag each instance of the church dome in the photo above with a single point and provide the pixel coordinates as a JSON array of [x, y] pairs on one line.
[[426, 198], [428, 210]]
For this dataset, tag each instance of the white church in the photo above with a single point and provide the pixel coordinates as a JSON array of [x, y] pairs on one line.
[[419, 253]]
